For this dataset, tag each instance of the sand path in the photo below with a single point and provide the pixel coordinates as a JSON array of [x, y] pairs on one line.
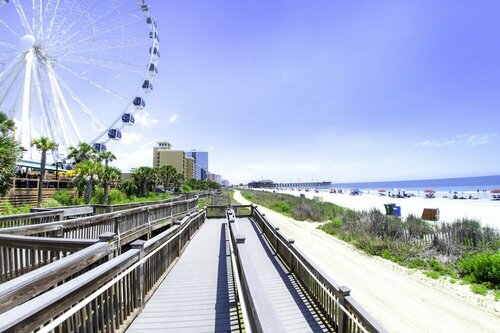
[[402, 300]]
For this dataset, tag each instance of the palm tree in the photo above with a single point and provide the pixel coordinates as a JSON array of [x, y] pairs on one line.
[[129, 187], [108, 176], [107, 157], [89, 171], [166, 175], [143, 178], [43, 144], [83, 152], [177, 181], [10, 152]]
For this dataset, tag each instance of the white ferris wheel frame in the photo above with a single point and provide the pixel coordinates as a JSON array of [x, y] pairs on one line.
[[34, 70]]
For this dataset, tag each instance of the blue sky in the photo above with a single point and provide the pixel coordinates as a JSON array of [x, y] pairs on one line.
[[326, 90]]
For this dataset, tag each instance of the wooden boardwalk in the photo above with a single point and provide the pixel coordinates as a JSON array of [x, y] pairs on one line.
[[197, 295], [291, 307]]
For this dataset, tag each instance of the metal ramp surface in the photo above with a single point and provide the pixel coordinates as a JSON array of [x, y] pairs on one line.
[[197, 295], [289, 304]]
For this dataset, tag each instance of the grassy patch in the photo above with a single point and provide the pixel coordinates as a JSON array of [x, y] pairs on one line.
[[433, 274], [479, 289]]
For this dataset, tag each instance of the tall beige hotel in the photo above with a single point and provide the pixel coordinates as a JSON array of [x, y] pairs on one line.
[[163, 154]]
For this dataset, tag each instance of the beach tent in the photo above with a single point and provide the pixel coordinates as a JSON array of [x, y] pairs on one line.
[[429, 193]]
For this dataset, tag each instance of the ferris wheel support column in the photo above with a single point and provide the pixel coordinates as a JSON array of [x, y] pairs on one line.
[[42, 102], [11, 74], [25, 134], [61, 126], [64, 105]]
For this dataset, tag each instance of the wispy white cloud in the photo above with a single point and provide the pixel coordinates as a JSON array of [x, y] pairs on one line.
[[173, 118], [469, 139], [131, 137], [145, 119], [436, 143], [481, 139]]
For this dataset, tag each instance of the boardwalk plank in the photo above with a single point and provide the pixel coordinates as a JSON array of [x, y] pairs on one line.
[[289, 303], [196, 295]]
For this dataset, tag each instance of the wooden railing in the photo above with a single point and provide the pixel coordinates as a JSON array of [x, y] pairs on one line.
[[257, 312], [128, 224], [26, 248], [108, 297], [36, 280], [339, 309], [22, 254], [10, 221]]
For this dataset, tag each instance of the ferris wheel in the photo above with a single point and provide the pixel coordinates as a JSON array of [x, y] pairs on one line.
[[75, 70]]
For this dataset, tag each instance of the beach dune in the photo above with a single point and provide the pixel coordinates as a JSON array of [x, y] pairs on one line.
[[484, 210]]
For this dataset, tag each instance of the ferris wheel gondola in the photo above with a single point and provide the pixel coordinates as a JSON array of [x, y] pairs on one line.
[[75, 70]]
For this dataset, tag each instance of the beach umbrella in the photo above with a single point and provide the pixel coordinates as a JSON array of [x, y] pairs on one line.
[[382, 190], [497, 190], [429, 191]]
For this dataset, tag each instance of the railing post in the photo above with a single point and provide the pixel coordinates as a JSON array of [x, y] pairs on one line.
[[343, 319], [290, 242], [109, 237], [60, 231], [139, 295], [150, 227], [179, 237]]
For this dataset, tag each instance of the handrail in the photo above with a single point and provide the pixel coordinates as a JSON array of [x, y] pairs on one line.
[[23, 254], [237, 279], [9, 221], [335, 302], [67, 227], [121, 284], [29, 285], [261, 316]]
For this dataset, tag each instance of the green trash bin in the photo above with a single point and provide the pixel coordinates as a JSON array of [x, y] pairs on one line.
[[389, 208]]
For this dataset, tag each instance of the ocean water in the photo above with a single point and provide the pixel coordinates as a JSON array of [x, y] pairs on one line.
[[468, 184]]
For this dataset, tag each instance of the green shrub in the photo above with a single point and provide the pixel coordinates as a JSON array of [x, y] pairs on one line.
[[479, 289], [186, 188], [116, 196], [482, 267], [433, 274], [64, 197], [417, 227], [416, 263], [97, 196], [386, 254], [50, 202], [9, 209], [336, 223]]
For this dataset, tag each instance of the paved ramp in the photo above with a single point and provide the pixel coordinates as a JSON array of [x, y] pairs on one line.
[[197, 295], [289, 303]]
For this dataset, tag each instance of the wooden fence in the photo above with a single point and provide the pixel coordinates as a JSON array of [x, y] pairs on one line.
[[108, 297]]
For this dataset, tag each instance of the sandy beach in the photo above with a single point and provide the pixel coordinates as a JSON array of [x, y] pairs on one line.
[[485, 210], [401, 299]]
